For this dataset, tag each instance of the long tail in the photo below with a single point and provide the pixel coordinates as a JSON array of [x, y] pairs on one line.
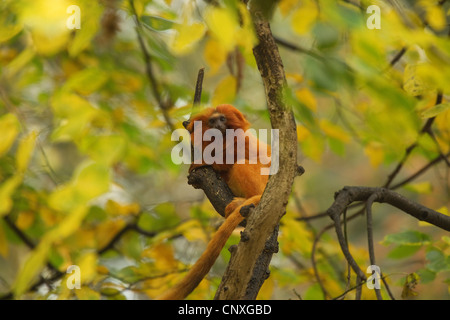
[[201, 268]]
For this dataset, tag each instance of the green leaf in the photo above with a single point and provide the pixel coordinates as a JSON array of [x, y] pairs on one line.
[[165, 216], [156, 23], [403, 251], [131, 245], [326, 35], [314, 292], [438, 261], [91, 12], [128, 274], [319, 73], [407, 238], [109, 291], [435, 110], [104, 149], [86, 81], [426, 275]]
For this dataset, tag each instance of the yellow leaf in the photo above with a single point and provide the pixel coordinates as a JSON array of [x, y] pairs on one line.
[[68, 225], [104, 149], [296, 237], [86, 81], [92, 181], [304, 17], [114, 208], [89, 182], [442, 120], [10, 27], [436, 17], [102, 270], [435, 110], [413, 80], [86, 293], [305, 96], [127, 82], [38, 256], [411, 282], [223, 25], [245, 36], [192, 231], [24, 151], [75, 113], [64, 198], [163, 256], [313, 147], [215, 55], [186, 37], [302, 133], [48, 216], [19, 62], [296, 77], [33, 265], [375, 152], [24, 220], [265, 293], [46, 21], [225, 92], [334, 131], [49, 45], [6, 191], [286, 6], [420, 187], [107, 230], [88, 266], [10, 129], [4, 247]]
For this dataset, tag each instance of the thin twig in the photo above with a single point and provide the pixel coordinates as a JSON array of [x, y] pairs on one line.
[[398, 56], [296, 47], [149, 68], [198, 87], [420, 171], [425, 129], [369, 203], [313, 261]]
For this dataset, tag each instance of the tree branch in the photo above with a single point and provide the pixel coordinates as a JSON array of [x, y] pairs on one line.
[[245, 267], [348, 195]]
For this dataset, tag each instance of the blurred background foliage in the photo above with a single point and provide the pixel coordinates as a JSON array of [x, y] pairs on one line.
[[86, 115]]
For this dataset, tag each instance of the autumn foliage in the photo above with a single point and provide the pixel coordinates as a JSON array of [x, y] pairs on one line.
[[86, 116]]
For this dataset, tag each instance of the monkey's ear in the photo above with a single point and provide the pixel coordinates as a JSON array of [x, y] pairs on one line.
[[186, 123]]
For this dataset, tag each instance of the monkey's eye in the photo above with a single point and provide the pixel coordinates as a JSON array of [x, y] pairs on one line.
[[211, 121], [222, 118]]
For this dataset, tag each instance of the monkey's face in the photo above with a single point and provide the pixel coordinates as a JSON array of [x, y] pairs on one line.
[[218, 121]]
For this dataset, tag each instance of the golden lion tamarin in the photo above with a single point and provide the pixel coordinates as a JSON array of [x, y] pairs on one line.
[[243, 175]]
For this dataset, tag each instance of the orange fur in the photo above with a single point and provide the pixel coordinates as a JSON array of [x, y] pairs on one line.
[[246, 183]]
